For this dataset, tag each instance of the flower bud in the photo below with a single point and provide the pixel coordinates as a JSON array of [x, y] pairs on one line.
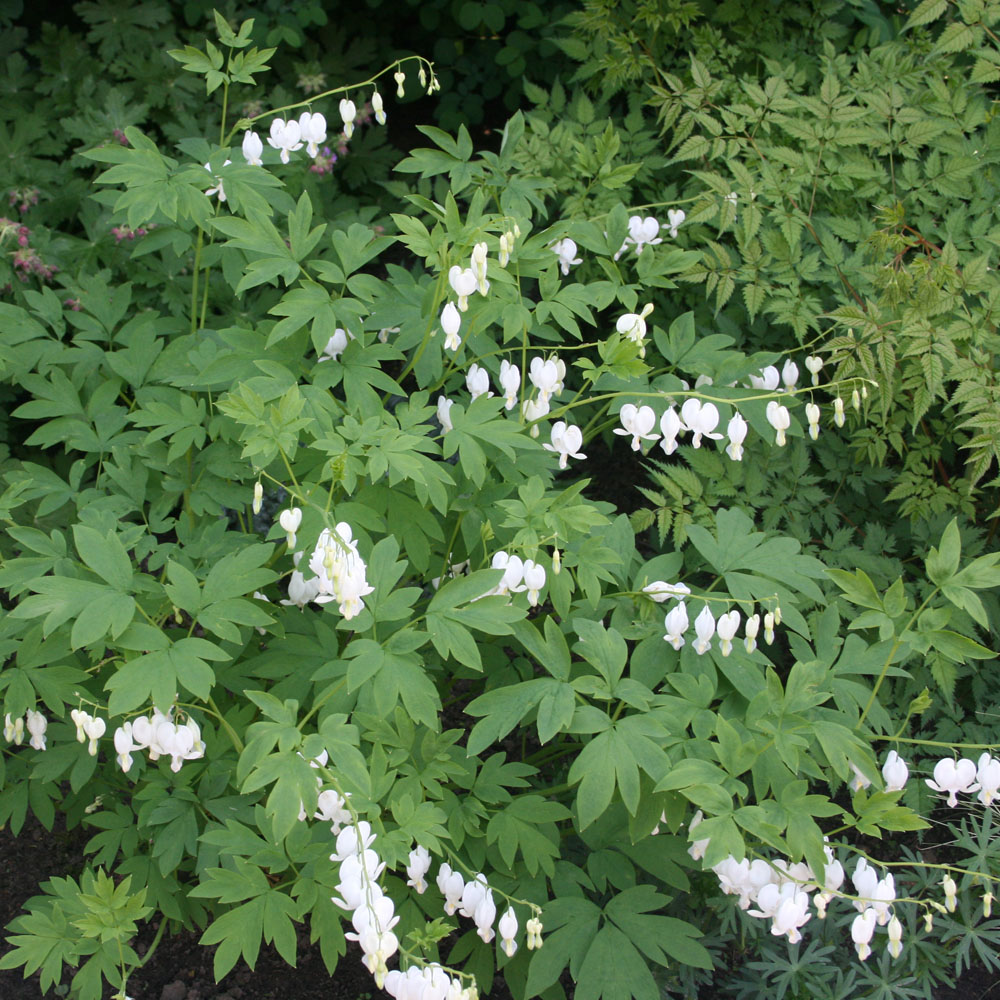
[[769, 628], [950, 890], [258, 497], [895, 930]]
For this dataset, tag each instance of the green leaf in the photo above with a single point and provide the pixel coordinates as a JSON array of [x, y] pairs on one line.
[[926, 11], [942, 563], [105, 555], [156, 676], [957, 647], [614, 969]]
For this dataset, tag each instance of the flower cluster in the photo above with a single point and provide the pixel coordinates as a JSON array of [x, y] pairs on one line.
[[963, 777], [24, 198], [783, 894], [89, 729], [11, 229], [464, 282], [26, 260], [34, 722], [518, 576], [432, 982], [676, 622], [160, 736], [700, 419], [331, 806], [339, 572], [474, 899], [309, 130], [951, 777], [373, 913], [125, 233]]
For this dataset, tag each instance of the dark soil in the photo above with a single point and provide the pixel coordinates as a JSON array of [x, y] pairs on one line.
[[180, 968]]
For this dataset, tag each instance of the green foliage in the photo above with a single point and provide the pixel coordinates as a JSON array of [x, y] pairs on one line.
[[292, 337]]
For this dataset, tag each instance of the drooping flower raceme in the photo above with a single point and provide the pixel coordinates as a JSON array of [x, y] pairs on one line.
[[373, 914], [341, 571]]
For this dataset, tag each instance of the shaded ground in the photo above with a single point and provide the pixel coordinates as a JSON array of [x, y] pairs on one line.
[[180, 969]]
